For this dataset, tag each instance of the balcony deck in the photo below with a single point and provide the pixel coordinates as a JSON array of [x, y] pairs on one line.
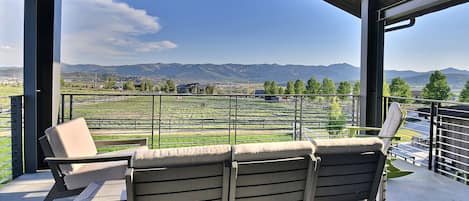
[[422, 185]]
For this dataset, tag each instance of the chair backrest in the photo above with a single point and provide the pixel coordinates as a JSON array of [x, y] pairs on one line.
[[349, 169], [272, 171], [393, 122], [71, 139], [194, 173]]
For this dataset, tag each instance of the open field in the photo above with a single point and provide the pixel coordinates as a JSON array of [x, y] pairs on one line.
[[175, 116]]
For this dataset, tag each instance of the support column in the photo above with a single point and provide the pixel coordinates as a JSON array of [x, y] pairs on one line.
[[41, 75], [372, 53]]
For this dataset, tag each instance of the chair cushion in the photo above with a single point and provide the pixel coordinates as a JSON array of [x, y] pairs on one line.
[[181, 156], [274, 150], [125, 152], [391, 124], [92, 172], [71, 139], [347, 145]]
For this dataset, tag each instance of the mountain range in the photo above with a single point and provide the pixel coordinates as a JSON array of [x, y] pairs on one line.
[[245, 73]]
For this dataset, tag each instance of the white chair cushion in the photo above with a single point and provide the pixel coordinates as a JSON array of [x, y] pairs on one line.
[[71, 139], [181, 156], [391, 124], [125, 152], [274, 150], [92, 172], [347, 145]]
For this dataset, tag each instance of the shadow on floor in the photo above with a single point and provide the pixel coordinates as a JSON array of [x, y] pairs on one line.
[[424, 185]]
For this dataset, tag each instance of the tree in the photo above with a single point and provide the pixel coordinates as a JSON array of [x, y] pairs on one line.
[[344, 88], [313, 86], [273, 89], [157, 88], [437, 87], [356, 88], [129, 85], [146, 85], [290, 88], [337, 120], [168, 86], [62, 82], [299, 87], [464, 96], [110, 83], [328, 86], [267, 85], [210, 89], [386, 90], [281, 90], [400, 88]]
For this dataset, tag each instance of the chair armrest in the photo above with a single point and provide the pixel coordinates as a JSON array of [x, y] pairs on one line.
[[353, 130], [89, 159], [357, 128], [381, 137], [103, 143]]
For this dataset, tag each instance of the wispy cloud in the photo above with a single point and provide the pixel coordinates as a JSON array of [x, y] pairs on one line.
[[103, 31]]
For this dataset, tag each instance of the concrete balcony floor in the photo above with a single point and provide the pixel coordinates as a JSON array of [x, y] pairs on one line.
[[423, 185]]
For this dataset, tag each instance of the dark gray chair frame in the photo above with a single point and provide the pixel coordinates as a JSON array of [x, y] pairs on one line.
[[59, 189], [184, 195], [374, 183], [264, 169]]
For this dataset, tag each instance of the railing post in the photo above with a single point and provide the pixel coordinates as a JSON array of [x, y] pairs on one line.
[[71, 107], [229, 121], [385, 106], [294, 123], [353, 110], [432, 128], [235, 124], [62, 112], [437, 138], [16, 135], [301, 117], [152, 121], [159, 124]]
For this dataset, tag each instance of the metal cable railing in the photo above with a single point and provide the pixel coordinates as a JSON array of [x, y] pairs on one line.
[[5, 139], [436, 135], [188, 120]]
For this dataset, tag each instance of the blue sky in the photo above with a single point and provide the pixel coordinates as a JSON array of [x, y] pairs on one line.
[[309, 32]]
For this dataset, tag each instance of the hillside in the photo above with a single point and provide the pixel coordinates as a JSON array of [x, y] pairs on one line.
[[240, 73]]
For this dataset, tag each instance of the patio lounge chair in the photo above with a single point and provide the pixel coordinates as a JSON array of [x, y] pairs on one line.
[[349, 169], [272, 171], [74, 161], [192, 173]]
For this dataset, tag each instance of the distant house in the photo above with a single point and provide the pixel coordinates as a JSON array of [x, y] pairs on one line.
[[272, 99], [259, 93], [192, 88]]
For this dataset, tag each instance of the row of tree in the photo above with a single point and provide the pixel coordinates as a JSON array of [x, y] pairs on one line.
[[312, 87], [147, 85], [437, 88], [167, 86]]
